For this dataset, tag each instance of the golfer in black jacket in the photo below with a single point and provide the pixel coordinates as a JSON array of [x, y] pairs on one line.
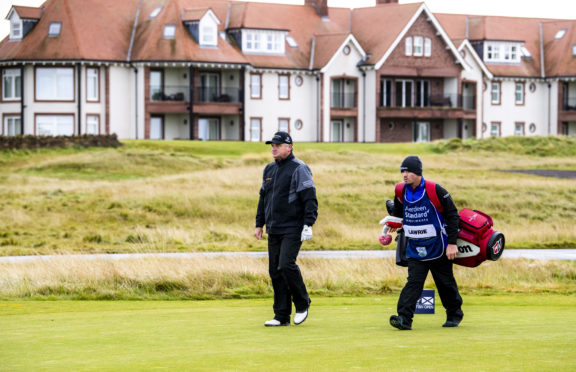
[[288, 207]]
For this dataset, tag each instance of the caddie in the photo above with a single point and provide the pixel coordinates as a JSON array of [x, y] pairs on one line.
[[288, 207], [430, 223]]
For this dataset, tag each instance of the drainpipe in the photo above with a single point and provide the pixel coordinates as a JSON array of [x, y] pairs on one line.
[[318, 110], [22, 105], [79, 69], [364, 106], [135, 98], [191, 107], [549, 109], [242, 99]]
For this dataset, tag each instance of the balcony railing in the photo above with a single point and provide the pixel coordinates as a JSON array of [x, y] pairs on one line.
[[343, 100], [213, 94], [201, 94], [569, 104], [436, 100], [169, 93]]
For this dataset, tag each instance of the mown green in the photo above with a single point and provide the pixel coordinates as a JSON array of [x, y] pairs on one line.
[[499, 333]]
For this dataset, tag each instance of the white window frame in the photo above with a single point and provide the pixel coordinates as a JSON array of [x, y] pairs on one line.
[[502, 52], [256, 86], [408, 46], [404, 85], [284, 86], [574, 50], [16, 28], [54, 29], [495, 129], [54, 84], [519, 129], [519, 93], [208, 32], [92, 124], [54, 125], [418, 46], [12, 125], [169, 31], [92, 84], [263, 41], [255, 129], [495, 92], [13, 75], [284, 125], [427, 47]]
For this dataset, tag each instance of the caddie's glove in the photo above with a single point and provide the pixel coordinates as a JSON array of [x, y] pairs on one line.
[[306, 233]]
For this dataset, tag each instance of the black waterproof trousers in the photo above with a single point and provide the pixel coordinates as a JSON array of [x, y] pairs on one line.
[[286, 276], [443, 275]]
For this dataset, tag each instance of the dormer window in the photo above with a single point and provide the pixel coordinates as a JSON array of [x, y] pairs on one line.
[[208, 32], [202, 25], [503, 52], [54, 29], [15, 28], [169, 31], [574, 50], [560, 34], [263, 41]]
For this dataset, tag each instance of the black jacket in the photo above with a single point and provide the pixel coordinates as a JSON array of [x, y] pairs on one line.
[[450, 213], [287, 197]]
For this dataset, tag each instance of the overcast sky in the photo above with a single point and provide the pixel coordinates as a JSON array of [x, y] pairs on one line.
[[565, 9]]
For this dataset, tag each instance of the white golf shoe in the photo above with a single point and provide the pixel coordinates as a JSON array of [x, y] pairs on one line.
[[275, 323], [300, 317]]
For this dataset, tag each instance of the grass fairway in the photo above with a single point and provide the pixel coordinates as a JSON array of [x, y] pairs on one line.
[[529, 332]]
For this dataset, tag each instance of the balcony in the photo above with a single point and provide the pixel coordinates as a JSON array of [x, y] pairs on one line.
[[212, 94], [569, 103], [169, 93], [343, 100], [441, 106]]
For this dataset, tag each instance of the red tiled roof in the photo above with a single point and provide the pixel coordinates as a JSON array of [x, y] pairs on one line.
[[325, 47], [377, 28], [83, 36], [150, 44], [193, 14], [27, 12], [559, 59]]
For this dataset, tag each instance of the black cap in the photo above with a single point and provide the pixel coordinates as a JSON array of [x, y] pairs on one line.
[[280, 137], [412, 164]]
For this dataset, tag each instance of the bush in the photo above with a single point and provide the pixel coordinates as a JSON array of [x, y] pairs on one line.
[[40, 142]]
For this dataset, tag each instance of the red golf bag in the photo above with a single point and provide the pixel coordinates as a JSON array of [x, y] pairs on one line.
[[477, 240]]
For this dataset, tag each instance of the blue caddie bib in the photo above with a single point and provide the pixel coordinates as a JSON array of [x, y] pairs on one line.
[[424, 229]]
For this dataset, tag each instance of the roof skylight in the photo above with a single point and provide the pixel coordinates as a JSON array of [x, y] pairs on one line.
[[55, 28], [155, 12], [290, 40], [560, 34]]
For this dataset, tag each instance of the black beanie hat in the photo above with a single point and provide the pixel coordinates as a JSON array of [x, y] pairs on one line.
[[412, 164]]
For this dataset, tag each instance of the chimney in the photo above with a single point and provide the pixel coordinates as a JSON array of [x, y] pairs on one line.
[[378, 2], [320, 6]]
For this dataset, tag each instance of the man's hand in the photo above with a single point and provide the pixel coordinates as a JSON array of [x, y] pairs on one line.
[[258, 233], [451, 251], [306, 233]]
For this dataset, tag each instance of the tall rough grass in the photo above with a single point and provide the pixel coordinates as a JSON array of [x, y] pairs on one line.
[[178, 196], [240, 277]]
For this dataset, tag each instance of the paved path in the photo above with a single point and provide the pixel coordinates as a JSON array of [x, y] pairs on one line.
[[536, 254]]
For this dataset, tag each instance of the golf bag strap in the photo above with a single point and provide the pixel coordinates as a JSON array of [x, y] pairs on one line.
[[433, 196], [398, 190], [430, 190]]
